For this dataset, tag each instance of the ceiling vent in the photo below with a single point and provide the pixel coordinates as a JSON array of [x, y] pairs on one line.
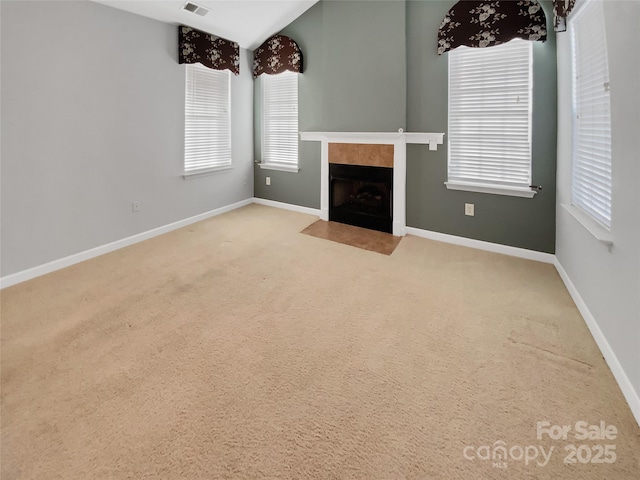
[[197, 9]]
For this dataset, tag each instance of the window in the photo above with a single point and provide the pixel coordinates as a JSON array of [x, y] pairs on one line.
[[280, 121], [490, 119], [591, 168], [207, 131]]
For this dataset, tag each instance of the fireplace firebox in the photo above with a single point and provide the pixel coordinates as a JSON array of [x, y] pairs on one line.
[[361, 196]]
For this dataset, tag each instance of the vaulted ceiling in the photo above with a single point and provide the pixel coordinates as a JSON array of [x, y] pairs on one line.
[[248, 22]]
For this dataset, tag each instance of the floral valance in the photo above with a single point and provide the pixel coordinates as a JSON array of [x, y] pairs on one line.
[[211, 51], [276, 55], [489, 23], [561, 10]]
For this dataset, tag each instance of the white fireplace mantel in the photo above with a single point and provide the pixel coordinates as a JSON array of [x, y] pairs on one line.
[[399, 141]]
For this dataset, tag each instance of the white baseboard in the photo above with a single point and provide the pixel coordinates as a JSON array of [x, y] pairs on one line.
[[630, 394], [54, 265], [287, 206], [481, 245]]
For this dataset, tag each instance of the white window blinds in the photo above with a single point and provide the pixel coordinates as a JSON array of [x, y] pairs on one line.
[[490, 115], [207, 135], [591, 174], [280, 120]]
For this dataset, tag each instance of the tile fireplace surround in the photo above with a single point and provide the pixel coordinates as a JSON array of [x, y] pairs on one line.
[[399, 141]]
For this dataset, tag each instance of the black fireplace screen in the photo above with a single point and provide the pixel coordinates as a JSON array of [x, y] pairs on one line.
[[361, 196]]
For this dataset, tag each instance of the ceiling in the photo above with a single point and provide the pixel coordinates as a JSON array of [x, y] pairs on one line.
[[248, 22]]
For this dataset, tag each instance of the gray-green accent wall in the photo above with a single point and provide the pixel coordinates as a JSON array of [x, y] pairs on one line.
[[372, 66], [354, 80], [519, 222]]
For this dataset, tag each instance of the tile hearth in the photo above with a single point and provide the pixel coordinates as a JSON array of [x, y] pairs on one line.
[[374, 241]]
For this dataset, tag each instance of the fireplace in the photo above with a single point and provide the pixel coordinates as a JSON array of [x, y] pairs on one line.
[[397, 141], [361, 196]]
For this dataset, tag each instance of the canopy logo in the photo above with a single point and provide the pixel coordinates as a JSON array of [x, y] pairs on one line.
[[499, 454]]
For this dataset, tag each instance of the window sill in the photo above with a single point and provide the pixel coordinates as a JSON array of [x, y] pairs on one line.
[[594, 228], [204, 173], [282, 168], [493, 189]]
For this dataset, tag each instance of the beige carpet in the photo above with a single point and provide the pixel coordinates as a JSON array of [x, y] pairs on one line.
[[239, 348]]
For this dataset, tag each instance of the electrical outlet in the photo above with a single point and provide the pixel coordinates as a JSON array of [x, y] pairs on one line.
[[135, 207], [469, 209], [268, 180]]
